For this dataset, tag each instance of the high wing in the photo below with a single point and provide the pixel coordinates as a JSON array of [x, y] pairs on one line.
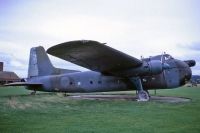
[[94, 56]]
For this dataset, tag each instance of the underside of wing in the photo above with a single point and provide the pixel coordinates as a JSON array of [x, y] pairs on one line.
[[94, 56]]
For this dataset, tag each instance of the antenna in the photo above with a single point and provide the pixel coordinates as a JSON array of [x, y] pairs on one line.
[[141, 57]]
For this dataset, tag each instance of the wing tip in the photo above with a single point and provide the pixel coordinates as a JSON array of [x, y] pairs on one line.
[[74, 42]]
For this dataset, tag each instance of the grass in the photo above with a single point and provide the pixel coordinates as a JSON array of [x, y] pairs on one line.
[[49, 112]]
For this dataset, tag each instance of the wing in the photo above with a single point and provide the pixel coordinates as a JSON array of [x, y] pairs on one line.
[[94, 56]]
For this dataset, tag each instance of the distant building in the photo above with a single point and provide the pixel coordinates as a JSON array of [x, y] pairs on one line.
[[194, 81], [7, 77]]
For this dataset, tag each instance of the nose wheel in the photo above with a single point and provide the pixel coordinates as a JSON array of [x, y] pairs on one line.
[[142, 95]]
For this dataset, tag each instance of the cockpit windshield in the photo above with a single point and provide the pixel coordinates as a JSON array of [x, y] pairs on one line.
[[164, 57], [167, 57]]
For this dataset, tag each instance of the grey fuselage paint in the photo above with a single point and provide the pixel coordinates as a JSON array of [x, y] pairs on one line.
[[42, 76], [88, 81], [91, 81]]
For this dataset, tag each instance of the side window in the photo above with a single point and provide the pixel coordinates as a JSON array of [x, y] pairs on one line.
[[91, 82], [71, 83]]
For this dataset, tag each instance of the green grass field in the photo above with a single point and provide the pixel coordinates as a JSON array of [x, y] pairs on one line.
[[52, 113]]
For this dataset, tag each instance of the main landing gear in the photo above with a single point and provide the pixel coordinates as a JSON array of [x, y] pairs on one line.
[[142, 95], [65, 94], [33, 92]]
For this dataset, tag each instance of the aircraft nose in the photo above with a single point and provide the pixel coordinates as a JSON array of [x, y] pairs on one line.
[[185, 76], [188, 74]]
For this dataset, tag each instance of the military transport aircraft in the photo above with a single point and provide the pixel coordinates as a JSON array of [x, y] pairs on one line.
[[111, 70]]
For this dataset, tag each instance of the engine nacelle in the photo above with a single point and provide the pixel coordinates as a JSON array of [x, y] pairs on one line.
[[155, 67], [148, 68], [152, 67]]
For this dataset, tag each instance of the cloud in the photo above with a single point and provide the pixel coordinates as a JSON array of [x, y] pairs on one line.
[[195, 46], [11, 63], [6, 58], [135, 27], [191, 51]]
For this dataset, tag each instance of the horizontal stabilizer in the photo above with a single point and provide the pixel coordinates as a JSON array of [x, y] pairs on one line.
[[23, 84]]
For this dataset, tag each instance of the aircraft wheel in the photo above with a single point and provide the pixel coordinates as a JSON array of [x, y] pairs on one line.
[[33, 93], [65, 94], [143, 96]]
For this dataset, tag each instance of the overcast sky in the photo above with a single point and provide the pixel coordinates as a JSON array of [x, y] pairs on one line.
[[136, 27]]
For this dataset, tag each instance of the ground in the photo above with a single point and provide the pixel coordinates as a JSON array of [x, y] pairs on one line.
[[51, 112]]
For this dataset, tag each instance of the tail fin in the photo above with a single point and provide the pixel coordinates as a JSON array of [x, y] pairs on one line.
[[39, 63]]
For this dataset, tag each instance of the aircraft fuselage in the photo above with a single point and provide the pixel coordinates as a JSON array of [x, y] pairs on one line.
[[111, 70], [90, 81]]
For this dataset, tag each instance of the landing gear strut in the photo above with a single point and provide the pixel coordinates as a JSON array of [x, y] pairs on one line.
[[65, 94], [142, 95], [33, 93]]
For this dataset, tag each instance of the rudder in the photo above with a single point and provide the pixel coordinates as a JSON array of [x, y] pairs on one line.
[[39, 63]]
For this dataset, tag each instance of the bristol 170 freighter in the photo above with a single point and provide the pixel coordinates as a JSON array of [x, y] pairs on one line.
[[111, 70]]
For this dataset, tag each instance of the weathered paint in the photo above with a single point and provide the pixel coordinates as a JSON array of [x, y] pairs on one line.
[[157, 72]]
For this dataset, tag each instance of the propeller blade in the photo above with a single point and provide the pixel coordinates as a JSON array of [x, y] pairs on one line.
[[166, 66]]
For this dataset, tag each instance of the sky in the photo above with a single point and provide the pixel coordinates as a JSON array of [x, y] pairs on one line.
[[135, 27]]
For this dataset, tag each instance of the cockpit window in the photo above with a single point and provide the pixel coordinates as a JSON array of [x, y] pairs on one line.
[[160, 57], [167, 57]]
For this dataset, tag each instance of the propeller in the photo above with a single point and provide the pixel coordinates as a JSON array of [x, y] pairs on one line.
[[164, 64]]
